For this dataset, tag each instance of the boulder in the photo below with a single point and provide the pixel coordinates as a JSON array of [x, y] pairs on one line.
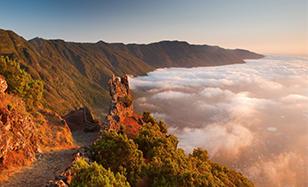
[[82, 120]]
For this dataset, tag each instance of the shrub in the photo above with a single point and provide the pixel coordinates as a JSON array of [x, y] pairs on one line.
[[168, 165], [94, 175], [21, 83], [153, 158], [153, 135], [119, 153], [199, 154], [148, 118]]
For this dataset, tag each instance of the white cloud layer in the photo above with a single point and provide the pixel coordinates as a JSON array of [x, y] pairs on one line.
[[252, 116]]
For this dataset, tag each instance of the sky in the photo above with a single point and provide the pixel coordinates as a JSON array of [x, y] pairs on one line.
[[264, 26]]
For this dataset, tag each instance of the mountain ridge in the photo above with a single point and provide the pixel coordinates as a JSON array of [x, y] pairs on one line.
[[76, 74]]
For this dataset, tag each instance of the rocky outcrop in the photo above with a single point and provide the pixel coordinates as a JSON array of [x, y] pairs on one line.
[[18, 143], [121, 116], [22, 134]]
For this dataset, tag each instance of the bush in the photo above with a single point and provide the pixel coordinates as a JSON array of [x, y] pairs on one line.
[[94, 175], [153, 135], [153, 158], [168, 165], [120, 154], [21, 83], [148, 118], [200, 154]]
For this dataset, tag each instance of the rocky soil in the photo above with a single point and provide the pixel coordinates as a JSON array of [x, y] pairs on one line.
[[49, 165]]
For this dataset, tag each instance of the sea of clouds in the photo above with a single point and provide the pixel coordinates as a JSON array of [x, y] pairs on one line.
[[252, 116]]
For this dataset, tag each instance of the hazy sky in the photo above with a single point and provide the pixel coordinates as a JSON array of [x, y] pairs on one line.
[[266, 26]]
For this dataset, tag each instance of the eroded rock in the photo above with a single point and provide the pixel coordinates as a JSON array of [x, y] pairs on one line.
[[18, 143], [121, 115]]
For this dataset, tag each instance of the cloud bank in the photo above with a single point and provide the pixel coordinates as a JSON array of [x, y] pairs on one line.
[[253, 116]]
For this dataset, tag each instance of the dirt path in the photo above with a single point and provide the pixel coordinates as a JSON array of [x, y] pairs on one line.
[[48, 165]]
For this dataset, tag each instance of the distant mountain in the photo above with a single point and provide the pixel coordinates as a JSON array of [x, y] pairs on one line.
[[183, 54], [76, 74]]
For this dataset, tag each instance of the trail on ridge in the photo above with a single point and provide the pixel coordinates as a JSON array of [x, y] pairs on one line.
[[48, 165]]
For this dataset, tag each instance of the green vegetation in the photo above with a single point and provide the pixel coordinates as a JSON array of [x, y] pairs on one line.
[[94, 175], [120, 154], [153, 158], [21, 83]]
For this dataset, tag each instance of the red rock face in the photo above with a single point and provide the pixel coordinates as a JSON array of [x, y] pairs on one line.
[[121, 115], [18, 140], [18, 143], [22, 135]]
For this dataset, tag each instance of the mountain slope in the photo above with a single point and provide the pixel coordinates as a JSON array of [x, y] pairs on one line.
[[76, 74], [183, 54]]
